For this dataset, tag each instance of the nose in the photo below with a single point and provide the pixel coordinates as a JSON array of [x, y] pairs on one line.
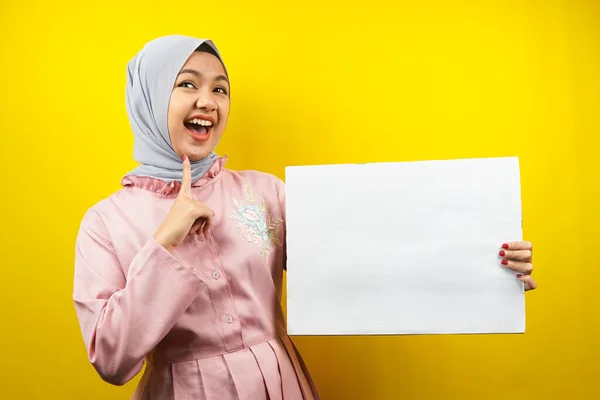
[[206, 101]]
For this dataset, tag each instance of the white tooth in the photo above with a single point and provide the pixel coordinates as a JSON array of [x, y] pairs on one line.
[[201, 122]]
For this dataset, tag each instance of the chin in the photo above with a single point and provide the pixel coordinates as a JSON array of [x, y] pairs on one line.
[[197, 150], [196, 153], [198, 156]]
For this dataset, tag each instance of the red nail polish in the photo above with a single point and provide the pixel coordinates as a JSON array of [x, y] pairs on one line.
[[502, 253], [183, 157], [519, 275], [505, 246], [504, 262]]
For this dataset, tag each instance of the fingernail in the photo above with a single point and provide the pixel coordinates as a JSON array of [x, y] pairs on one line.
[[504, 262], [183, 157], [505, 246], [519, 275], [502, 253]]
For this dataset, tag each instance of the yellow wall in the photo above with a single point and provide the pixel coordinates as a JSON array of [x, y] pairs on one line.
[[316, 82]]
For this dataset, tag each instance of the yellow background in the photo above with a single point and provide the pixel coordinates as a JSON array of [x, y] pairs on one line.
[[316, 82]]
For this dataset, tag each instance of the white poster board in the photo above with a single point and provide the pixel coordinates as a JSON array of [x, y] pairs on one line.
[[403, 248]]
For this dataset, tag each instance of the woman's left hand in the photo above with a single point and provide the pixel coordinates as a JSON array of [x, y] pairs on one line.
[[518, 256]]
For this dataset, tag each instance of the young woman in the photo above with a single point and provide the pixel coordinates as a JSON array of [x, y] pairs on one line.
[[182, 267]]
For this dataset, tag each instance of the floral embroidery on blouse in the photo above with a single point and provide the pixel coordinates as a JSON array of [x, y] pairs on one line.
[[256, 223]]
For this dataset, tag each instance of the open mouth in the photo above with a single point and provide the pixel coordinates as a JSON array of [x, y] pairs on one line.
[[199, 128]]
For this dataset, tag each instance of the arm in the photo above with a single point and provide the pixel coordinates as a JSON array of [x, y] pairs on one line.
[[122, 318], [280, 186]]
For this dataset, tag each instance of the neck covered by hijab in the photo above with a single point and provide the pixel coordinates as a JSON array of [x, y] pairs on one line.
[[151, 75]]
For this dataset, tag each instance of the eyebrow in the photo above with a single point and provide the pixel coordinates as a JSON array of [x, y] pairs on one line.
[[198, 74]]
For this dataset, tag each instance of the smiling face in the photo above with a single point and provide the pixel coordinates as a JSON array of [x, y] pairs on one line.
[[199, 106]]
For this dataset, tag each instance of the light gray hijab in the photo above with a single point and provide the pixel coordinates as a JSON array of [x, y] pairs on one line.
[[151, 75]]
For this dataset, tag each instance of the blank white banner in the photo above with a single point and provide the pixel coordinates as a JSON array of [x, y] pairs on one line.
[[403, 248]]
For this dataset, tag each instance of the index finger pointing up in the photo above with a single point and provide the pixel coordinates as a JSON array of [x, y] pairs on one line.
[[186, 180]]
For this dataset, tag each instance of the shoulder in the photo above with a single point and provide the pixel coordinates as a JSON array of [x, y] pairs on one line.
[[98, 216], [93, 217], [260, 181], [93, 224]]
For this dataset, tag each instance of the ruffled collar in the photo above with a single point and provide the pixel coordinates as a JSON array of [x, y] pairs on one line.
[[161, 187]]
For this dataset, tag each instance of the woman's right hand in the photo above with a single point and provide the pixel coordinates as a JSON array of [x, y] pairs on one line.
[[186, 217]]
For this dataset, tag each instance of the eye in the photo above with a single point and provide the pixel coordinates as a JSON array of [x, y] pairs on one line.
[[187, 84], [221, 90]]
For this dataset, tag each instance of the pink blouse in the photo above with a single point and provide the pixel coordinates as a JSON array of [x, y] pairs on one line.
[[207, 319]]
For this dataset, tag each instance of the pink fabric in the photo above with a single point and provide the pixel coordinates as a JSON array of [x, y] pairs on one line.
[[207, 320]]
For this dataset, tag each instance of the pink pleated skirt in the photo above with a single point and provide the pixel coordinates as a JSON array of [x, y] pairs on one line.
[[272, 370]]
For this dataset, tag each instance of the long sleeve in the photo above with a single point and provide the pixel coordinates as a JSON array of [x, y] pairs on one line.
[[280, 186], [122, 318]]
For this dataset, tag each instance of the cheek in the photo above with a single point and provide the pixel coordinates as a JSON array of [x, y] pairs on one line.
[[176, 110], [175, 117], [224, 111]]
